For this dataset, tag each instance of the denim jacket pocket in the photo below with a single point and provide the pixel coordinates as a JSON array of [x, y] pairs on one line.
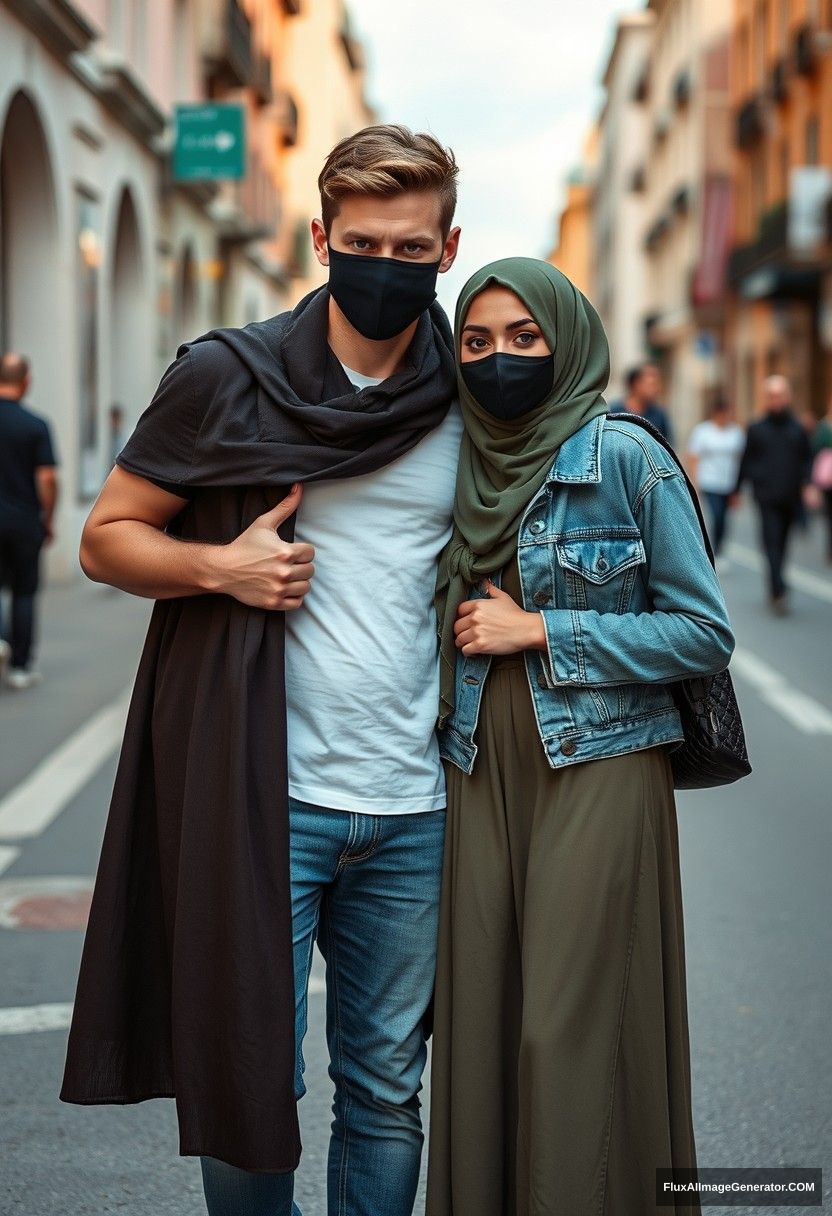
[[600, 571]]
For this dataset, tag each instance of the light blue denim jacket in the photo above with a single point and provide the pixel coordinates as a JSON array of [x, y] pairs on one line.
[[611, 555]]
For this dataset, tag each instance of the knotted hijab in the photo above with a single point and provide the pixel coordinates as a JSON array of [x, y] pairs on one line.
[[504, 464]]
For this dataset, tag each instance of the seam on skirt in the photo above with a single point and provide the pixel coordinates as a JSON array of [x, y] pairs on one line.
[[624, 990]]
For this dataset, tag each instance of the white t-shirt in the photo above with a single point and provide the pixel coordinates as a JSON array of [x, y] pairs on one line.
[[718, 450], [362, 660]]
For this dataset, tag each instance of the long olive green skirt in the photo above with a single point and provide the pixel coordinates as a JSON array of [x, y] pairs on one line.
[[561, 1069]]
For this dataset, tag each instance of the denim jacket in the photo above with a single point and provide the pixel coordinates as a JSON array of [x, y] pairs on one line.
[[610, 553]]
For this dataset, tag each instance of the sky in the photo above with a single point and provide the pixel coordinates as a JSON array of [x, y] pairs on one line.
[[510, 87]]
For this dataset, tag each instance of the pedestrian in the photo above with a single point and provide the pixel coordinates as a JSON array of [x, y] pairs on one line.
[[255, 812], [777, 462], [28, 497], [575, 588], [715, 450], [822, 470], [644, 386]]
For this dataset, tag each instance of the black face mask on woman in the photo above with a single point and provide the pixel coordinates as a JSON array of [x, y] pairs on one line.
[[508, 386], [380, 297]]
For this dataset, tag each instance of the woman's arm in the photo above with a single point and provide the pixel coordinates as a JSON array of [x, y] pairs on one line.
[[686, 632]]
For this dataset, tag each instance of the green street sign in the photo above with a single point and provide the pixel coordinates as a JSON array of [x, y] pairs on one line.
[[210, 142]]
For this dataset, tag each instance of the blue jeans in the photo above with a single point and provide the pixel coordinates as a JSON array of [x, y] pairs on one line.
[[367, 888], [718, 507]]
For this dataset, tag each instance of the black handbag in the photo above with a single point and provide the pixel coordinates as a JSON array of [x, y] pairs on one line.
[[714, 751]]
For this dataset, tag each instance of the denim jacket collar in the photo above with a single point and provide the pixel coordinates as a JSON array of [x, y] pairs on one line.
[[579, 458]]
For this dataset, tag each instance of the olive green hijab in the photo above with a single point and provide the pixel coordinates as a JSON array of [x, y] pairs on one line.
[[503, 464]]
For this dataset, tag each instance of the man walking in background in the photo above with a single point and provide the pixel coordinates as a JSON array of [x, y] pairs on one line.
[[644, 386], [777, 462], [28, 494]]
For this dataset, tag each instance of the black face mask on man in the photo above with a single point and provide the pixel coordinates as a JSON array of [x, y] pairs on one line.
[[380, 297], [508, 386]]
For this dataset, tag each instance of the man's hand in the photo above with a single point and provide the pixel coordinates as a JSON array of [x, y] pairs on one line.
[[497, 625], [260, 569]]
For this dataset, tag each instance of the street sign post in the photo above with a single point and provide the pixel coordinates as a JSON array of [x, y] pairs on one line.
[[210, 142]]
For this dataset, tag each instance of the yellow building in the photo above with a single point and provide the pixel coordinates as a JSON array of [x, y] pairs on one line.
[[781, 265], [573, 252]]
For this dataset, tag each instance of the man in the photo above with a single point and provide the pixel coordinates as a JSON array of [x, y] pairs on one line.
[[28, 495], [644, 388], [778, 463], [196, 964]]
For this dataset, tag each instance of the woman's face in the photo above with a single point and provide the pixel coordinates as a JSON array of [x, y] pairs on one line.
[[498, 322]]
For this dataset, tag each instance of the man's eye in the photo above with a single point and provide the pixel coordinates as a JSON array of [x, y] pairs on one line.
[[358, 244], [411, 248]]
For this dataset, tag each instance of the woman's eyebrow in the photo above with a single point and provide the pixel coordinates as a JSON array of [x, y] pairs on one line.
[[477, 329], [520, 324]]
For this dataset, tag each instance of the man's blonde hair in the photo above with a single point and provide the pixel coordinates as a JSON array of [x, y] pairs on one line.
[[384, 160]]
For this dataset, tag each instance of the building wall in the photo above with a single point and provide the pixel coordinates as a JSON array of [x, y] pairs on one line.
[[573, 251], [618, 263], [106, 264], [687, 147], [780, 318]]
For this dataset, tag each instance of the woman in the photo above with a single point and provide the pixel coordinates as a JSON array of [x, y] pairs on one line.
[[715, 450], [561, 1068], [822, 470]]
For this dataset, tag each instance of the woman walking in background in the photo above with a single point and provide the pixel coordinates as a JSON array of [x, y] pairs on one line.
[[575, 586], [715, 450], [822, 469]]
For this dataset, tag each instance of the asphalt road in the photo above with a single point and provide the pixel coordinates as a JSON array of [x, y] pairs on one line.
[[756, 863]]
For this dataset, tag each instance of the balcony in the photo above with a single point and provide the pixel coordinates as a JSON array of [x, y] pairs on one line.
[[126, 97], [682, 88], [766, 267], [227, 52], [59, 25], [751, 122], [805, 53], [287, 120], [261, 78], [779, 78]]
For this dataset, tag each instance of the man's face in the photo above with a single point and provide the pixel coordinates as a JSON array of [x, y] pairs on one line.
[[649, 383], [405, 226], [776, 397]]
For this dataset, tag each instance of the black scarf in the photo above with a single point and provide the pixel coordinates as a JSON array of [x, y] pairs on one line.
[[270, 403]]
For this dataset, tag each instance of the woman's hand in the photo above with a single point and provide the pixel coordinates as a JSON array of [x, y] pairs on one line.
[[497, 625]]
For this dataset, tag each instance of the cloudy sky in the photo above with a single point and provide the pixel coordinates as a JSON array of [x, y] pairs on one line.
[[511, 87]]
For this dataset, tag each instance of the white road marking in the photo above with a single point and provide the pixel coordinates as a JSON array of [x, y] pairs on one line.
[[8, 854], [804, 580], [795, 706], [28, 1018], [41, 797]]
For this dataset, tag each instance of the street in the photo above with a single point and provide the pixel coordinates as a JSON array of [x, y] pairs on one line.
[[756, 860]]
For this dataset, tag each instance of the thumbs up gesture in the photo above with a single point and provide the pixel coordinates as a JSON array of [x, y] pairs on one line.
[[260, 569]]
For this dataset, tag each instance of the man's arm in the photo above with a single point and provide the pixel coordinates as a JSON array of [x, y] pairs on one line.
[[46, 484], [124, 543]]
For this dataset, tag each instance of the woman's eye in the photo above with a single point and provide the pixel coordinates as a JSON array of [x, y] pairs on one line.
[[476, 344], [526, 339]]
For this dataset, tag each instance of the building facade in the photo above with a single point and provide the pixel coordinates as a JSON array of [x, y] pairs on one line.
[[618, 275], [781, 264], [687, 198], [106, 262], [573, 252]]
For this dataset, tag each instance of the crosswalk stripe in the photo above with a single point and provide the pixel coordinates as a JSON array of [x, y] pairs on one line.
[[812, 584], [40, 798], [795, 706]]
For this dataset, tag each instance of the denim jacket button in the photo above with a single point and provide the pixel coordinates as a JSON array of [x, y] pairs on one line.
[[541, 681], [601, 564], [537, 526], [569, 747], [541, 597]]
